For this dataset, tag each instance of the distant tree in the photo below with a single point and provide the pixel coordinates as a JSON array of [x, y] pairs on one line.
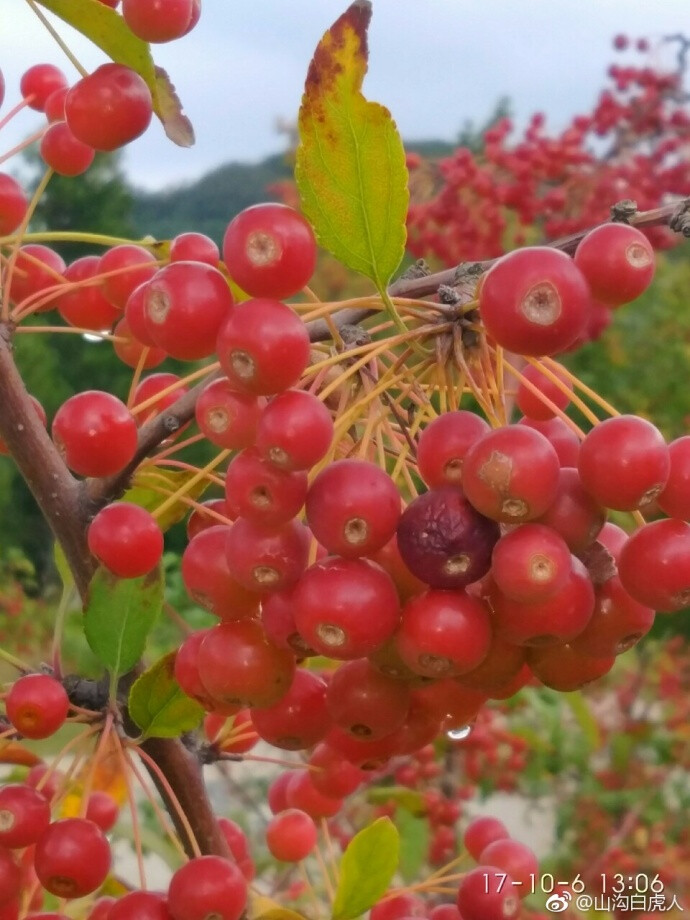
[[101, 201]]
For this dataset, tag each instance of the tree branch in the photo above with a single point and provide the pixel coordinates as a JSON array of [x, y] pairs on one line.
[[58, 494]]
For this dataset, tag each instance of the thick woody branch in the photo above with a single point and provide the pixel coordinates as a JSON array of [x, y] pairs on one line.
[[58, 494]]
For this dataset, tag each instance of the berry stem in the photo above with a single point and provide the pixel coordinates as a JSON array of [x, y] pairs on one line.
[[27, 142], [80, 68], [134, 813], [36, 197], [15, 662]]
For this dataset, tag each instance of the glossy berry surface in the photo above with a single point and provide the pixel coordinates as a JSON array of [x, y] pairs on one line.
[[618, 262], [534, 301], [442, 446], [207, 887], [95, 433], [486, 893], [37, 705], [157, 20], [263, 347], [353, 508], [294, 431], [24, 815], [109, 107], [126, 539], [654, 565], [72, 858], [291, 835], [270, 251]]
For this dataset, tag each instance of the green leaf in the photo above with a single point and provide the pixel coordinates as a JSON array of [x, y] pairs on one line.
[[145, 491], [367, 868], [119, 617], [350, 167], [158, 705], [414, 844], [585, 719], [108, 30]]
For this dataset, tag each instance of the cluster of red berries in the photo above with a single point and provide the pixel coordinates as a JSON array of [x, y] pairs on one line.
[[103, 110], [465, 207]]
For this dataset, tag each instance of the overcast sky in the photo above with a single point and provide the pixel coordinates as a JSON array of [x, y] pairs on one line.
[[433, 63]]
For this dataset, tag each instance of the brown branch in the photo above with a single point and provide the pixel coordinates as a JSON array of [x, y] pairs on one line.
[[57, 492], [62, 500]]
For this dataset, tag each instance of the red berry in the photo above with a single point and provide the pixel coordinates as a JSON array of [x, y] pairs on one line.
[[201, 518], [239, 847], [13, 204], [278, 619], [487, 893], [149, 388], [132, 352], [109, 107], [85, 306], [336, 777], [72, 858], [511, 474], [345, 608], [365, 702], [270, 250], [530, 563], [443, 633], [102, 809], [238, 664], [301, 793], [654, 565], [24, 815], [565, 668], [502, 664], [54, 108], [208, 580], [291, 835], [260, 492], [226, 416], [558, 618], [207, 887], [574, 514], [530, 403], [300, 718], [398, 907], [443, 444], [267, 560], [618, 622], [125, 267], [618, 262], [624, 463], [38, 277], [157, 20], [194, 247], [534, 301], [263, 347], [675, 498], [65, 153], [514, 858], [144, 905], [562, 438], [38, 82], [353, 508], [10, 883], [480, 832], [185, 306], [295, 430], [126, 539], [37, 705], [96, 433]]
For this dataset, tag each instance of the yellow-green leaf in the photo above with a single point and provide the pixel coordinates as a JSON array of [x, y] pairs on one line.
[[410, 799], [366, 869], [350, 167], [108, 30], [145, 491], [158, 705], [262, 908]]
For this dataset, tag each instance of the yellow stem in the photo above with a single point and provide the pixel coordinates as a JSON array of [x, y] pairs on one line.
[[189, 485], [80, 68]]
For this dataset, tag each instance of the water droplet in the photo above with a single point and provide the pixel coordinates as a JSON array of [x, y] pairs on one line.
[[459, 734], [89, 337]]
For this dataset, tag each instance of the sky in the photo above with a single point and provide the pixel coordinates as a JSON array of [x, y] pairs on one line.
[[433, 63]]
